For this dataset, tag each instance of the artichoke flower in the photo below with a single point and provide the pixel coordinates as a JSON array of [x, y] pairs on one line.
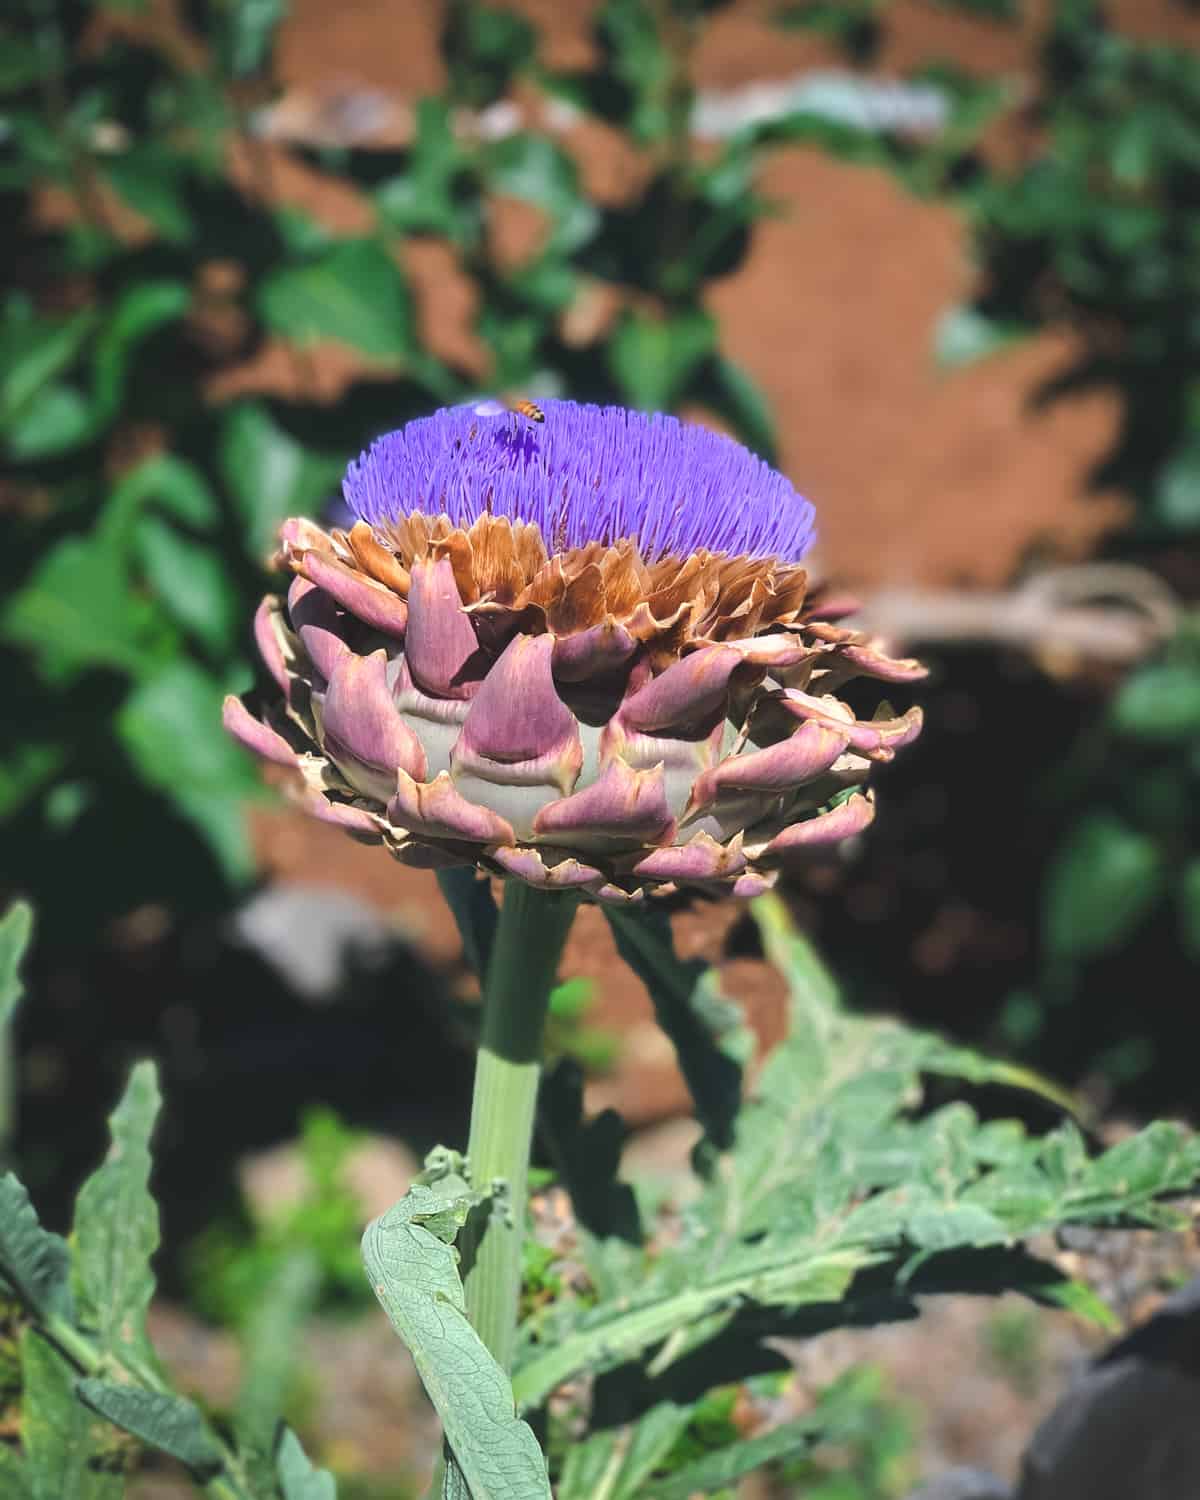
[[572, 645]]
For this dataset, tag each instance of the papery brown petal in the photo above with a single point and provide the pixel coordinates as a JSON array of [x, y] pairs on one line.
[[530, 548], [625, 579], [376, 561], [581, 603], [298, 535], [498, 572], [456, 547]]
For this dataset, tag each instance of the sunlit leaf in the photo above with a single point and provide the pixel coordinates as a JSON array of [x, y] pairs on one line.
[[413, 1268], [192, 582], [171, 728], [354, 294], [298, 1479], [271, 475], [65, 1446], [116, 1226]]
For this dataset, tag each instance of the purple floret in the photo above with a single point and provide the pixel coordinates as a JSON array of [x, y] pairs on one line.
[[585, 474]]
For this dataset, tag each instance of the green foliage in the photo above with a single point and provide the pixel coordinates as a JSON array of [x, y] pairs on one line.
[[89, 1379], [34, 1263], [412, 1266], [277, 1264], [166, 1422], [830, 1177], [61, 1441], [838, 1194], [16, 929], [116, 1228]]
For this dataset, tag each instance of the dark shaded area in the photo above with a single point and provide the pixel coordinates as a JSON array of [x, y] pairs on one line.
[[1129, 1426], [242, 1055]]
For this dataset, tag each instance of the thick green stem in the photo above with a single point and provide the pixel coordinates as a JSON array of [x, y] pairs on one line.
[[529, 942]]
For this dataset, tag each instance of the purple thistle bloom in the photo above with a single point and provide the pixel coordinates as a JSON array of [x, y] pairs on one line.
[[585, 474]]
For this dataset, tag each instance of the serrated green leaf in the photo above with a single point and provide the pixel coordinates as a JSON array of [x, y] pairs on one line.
[[244, 33], [116, 1226], [167, 1422], [16, 928], [63, 1442], [60, 419], [146, 307], [354, 294], [412, 1266], [35, 1262], [1085, 1302], [1177, 488], [298, 1479], [831, 1172], [270, 475], [78, 610]]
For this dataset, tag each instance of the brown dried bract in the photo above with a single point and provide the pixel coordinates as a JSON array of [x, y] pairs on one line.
[[504, 572]]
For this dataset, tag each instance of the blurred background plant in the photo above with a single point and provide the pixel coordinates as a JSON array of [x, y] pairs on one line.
[[216, 292]]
